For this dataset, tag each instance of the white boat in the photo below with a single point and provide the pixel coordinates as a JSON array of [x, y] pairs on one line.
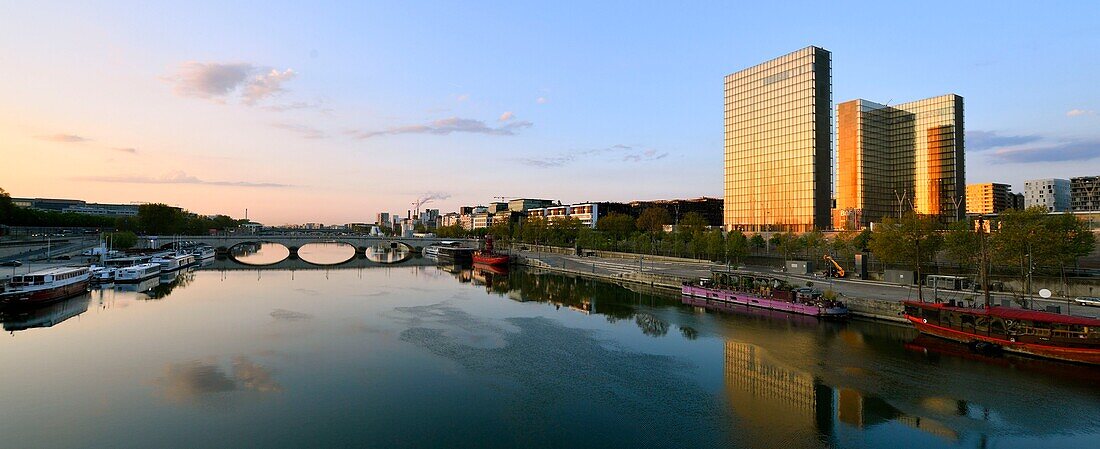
[[174, 261], [103, 274], [138, 273], [46, 285], [432, 251], [203, 252]]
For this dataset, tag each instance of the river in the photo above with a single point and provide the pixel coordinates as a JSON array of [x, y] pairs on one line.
[[415, 355]]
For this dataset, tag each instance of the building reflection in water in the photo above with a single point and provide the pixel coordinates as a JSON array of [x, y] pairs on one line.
[[786, 407]]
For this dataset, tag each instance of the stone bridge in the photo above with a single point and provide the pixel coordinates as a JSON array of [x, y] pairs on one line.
[[230, 264], [361, 243]]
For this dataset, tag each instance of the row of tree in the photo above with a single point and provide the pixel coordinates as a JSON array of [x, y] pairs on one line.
[[152, 219], [1018, 242]]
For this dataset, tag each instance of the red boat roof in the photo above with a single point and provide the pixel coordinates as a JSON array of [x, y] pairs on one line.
[[1015, 314]]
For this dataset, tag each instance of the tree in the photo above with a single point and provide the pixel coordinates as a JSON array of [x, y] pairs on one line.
[[913, 242], [787, 244], [123, 240], [654, 219], [693, 223], [615, 225], [1019, 241], [737, 246], [962, 245], [814, 243], [757, 241]]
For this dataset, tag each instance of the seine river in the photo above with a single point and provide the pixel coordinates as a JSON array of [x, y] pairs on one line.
[[415, 355]]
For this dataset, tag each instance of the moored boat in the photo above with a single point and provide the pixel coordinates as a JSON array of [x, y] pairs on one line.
[[488, 256], [203, 252], [174, 261], [47, 285], [755, 290], [138, 273], [1042, 334]]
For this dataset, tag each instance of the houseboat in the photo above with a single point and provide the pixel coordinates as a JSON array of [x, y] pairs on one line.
[[174, 261], [203, 252], [455, 255], [45, 286], [138, 273], [432, 251], [993, 328], [756, 290]]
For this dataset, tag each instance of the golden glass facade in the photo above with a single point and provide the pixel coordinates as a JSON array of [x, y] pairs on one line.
[[893, 159], [778, 120]]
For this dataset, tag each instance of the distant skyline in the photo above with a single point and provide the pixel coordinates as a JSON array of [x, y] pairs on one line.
[[334, 112]]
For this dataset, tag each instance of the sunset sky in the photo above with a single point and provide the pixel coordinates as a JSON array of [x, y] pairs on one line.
[[333, 112]]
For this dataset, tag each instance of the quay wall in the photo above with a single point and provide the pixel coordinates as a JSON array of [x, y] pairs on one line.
[[670, 285]]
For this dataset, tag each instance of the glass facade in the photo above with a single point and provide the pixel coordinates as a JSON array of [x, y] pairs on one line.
[[778, 119], [893, 159]]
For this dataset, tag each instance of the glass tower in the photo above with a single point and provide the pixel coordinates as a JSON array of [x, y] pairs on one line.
[[778, 120], [895, 159]]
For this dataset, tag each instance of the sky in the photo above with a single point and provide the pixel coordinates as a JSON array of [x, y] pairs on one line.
[[333, 112]]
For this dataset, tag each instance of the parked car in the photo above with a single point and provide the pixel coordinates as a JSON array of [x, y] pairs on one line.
[[11, 263], [1088, 301]]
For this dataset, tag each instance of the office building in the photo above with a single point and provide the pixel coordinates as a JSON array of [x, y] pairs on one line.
[[989, 198], [587, 213], [1050, 194], [523, 204], [709, 208], [77, 207], [383, 219], [1084, 192], [778, 121], [899, 158]]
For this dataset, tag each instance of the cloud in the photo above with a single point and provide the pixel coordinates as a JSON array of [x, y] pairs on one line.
[[266, 85], [295, 106], [541, 100], [507, 115], [987, 140], [626, 153], [64, 138], [1079, 112], [219, 82], [202, 381], [462, 97], [125, 150], [177, 177], [449, 125], [307, 132], [1074, 150]]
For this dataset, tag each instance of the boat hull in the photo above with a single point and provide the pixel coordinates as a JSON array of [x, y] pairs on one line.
[[45, 295], [731, 297], [491, 259], [1068, 354]]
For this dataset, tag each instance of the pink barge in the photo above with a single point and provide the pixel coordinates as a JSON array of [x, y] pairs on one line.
[[754, 290]]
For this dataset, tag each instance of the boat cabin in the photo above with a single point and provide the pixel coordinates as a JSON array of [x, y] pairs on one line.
[[1016, 325]]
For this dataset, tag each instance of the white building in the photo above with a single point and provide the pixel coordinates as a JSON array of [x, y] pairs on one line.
[[1052, 194]]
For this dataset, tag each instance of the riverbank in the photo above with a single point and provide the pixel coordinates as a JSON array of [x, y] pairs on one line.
[[668, 280]]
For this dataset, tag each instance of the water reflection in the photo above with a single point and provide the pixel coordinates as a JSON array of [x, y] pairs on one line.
[[23, 318], [387, 254], [206, 382], [259, 253], [326, 253]]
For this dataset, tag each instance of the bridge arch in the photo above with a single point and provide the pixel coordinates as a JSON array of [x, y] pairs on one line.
[[291, 252], [355, 253]]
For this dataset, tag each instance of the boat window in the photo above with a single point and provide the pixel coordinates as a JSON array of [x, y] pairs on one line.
[[932, 315], [967, 320], [996, 325]]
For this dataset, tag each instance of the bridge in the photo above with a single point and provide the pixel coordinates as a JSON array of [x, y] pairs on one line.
[[223, 244], [230, 264]]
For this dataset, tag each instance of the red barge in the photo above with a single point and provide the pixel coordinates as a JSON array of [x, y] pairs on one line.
[[45, 286], [488, 256], [1030, 332]]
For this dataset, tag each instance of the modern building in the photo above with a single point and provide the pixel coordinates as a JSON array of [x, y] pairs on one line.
[[1084, 192], [523, 204], [1051, 194], [778, 124], [450, 219], [989, 198], [899, 158], [709, 208], [1017, 201], [383, 220], [77, 207], [588, 213]]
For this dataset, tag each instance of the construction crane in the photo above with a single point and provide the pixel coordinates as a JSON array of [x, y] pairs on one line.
[[837, 269]]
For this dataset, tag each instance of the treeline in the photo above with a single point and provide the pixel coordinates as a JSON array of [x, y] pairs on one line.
[[1018, 241], [152, 219]]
